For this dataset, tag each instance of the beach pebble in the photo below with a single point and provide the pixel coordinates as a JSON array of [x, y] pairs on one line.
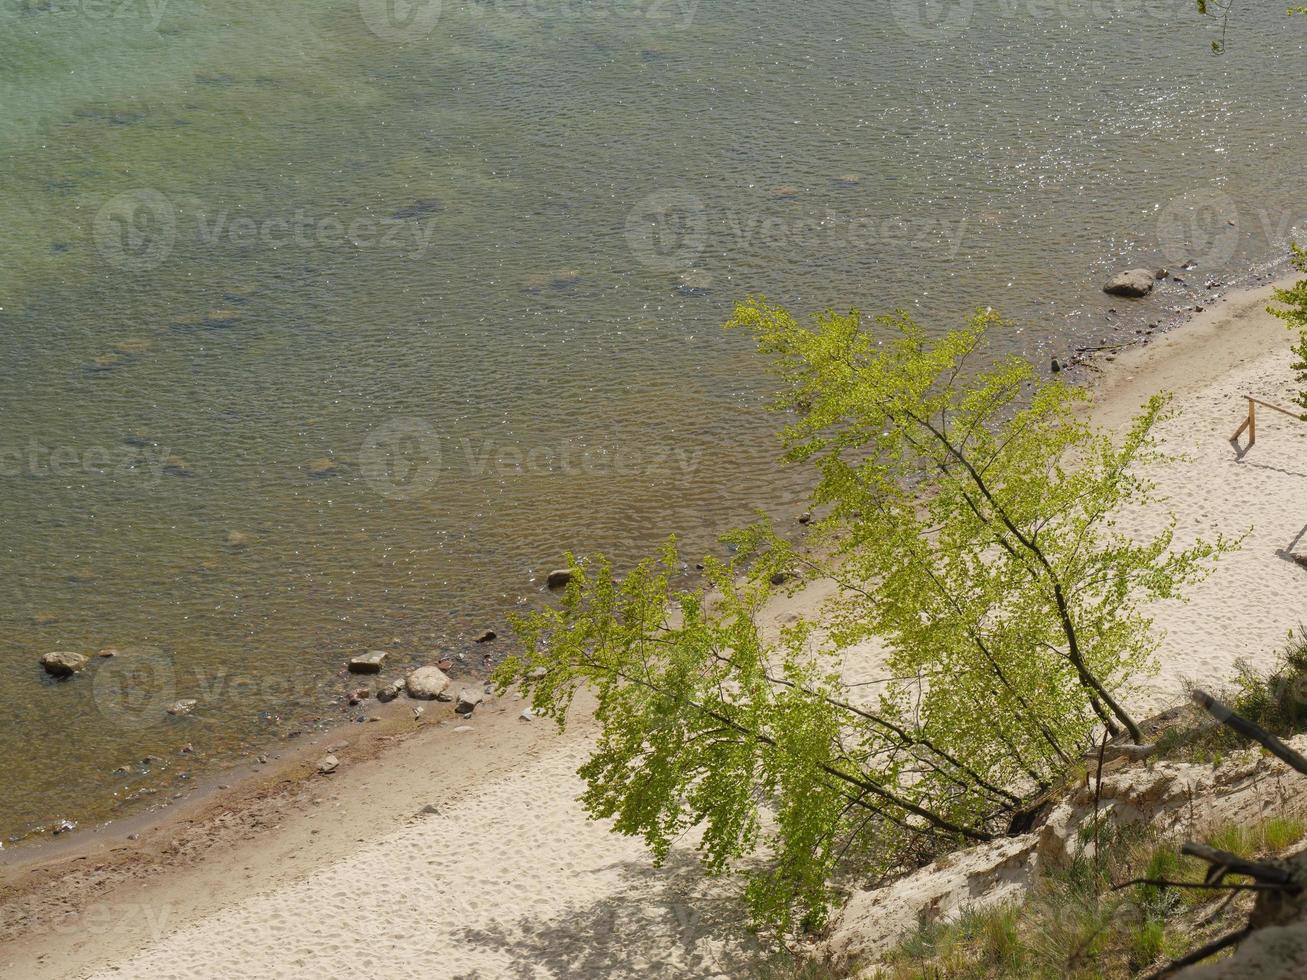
[[183, 707], [63, 664], [368, 663], [107, 653], [559, 578], [328, 764], [780, 578], [527, 715], [426, 683], [390, 692], [1132, 282], [468, 699], [487, 636]]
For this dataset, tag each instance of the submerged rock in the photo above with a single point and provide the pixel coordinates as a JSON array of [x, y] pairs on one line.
[[221, 318], [183, 707], [420, 208], [177, 466], [323, 466], [563, 279], [1132, 282], [694, 283], [61, 663]]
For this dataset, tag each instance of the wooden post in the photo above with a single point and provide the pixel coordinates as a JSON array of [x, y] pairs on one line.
[[1250, 423]]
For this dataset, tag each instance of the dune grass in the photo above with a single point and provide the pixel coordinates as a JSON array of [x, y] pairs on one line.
[[1075, 924]]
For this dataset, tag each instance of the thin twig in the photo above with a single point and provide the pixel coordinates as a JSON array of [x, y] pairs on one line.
[[1206, 886], [1200, 954]]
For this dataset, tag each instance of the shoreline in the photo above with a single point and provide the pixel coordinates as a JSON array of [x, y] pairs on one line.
[[284, 825], [1082, 366]]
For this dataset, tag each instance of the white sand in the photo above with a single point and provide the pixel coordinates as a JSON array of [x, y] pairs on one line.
[[509, 879]]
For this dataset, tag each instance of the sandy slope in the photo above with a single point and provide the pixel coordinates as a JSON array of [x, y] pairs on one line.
[[1257, 594], [508, 879]]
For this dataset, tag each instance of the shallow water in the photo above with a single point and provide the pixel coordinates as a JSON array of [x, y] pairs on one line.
[[445, 257]]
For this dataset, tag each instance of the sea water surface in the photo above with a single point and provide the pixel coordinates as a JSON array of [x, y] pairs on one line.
[[327, 327]]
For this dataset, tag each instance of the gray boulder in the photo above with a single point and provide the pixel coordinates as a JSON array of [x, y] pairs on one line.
[[1132, 282], [63, 664], [426, 683], [468, 699]]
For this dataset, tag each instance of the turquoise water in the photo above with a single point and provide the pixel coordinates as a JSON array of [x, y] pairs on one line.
[[323, 330]]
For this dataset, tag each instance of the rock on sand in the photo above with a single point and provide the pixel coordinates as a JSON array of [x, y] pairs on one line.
[[426, 683]]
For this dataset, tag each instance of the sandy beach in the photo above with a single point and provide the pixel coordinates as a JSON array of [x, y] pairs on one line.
[[457, 847]]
